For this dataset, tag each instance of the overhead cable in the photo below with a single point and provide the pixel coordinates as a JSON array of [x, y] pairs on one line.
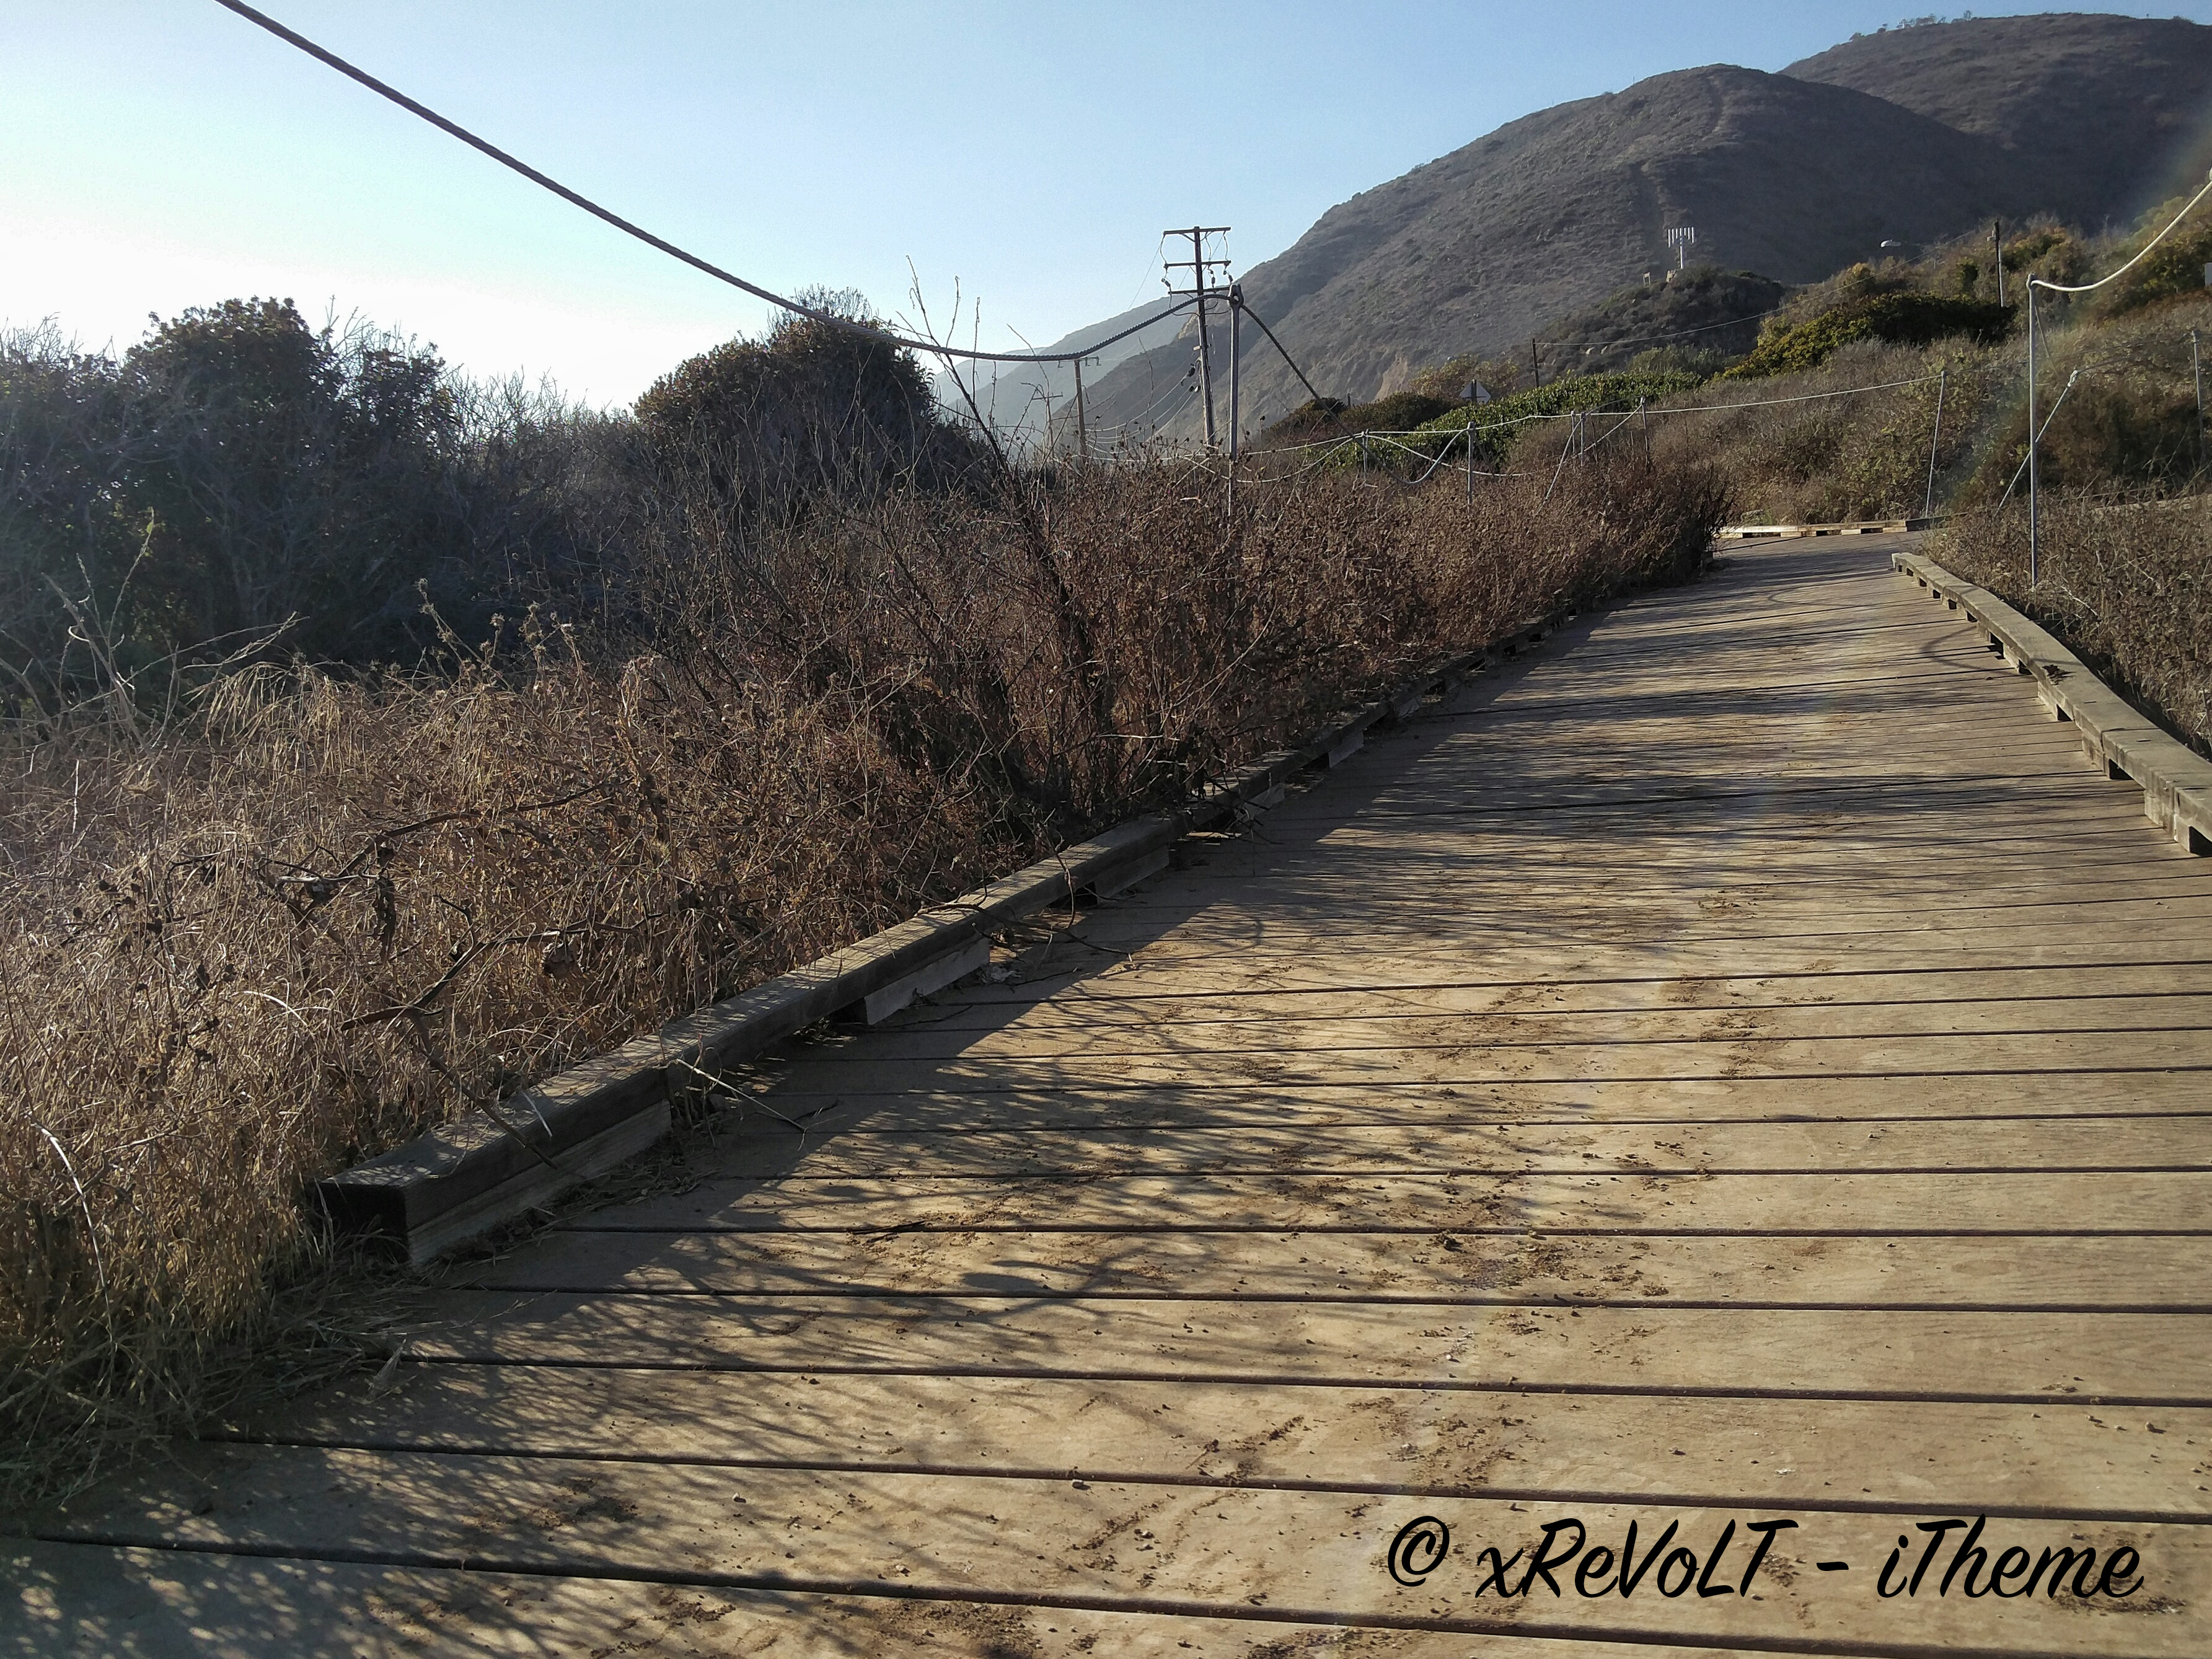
[[888, 337]]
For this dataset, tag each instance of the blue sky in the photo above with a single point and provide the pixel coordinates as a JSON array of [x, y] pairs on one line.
[[158, 153]]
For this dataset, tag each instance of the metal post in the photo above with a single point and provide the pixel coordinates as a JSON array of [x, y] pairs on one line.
[[2197, 368], [1942, 385], [1082, 435], [1996, 248], [1535, 368], [2034, 539], [1236, 311], [1469, 429], [1643, 414]]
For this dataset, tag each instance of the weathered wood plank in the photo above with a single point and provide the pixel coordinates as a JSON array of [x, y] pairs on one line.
[[2153, 1359], [1349, 1031], [2077, 1460], [786, 1109], [2177, 1204], [1746, 1055], [1677, 1150], [2012, 1270]]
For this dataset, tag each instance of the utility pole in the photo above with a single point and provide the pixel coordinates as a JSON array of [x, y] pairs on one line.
[[1997, 254], [1198, 264], [1235, 315]]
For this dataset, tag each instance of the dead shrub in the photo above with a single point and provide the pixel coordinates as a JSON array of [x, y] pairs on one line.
[[2126, 584]]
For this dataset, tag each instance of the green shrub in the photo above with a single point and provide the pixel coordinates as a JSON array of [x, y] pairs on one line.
[[1898, 319], [1500, 424]]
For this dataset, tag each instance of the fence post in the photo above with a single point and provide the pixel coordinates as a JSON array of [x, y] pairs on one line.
[[2034, 540], [2196, 370], [1942, 385]]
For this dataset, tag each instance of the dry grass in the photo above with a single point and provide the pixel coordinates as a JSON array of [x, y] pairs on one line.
[[324, 912], [2127, 426], [2127, 585]]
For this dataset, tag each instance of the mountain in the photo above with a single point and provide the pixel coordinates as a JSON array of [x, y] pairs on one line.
[[1914, 134], [2107, 114]]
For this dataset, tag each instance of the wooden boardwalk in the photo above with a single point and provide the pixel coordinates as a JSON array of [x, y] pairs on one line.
[[1737, 1065]]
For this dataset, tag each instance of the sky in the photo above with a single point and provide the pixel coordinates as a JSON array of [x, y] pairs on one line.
[[1018, 160]]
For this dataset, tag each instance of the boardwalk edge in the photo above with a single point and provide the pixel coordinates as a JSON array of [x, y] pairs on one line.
[[490, 1167], [2175, 780]]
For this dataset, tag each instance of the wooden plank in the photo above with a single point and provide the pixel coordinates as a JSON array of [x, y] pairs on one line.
[[2075, 1460], [1319, 891], [1476, 1063], [2016, 1270], [1876, 1203], [2178, 922], [1310, 1556], [1676, 1150], [1653, 1009], [1045, 1005], [1348, 1028], [2150, 1359], [784, 1111], [1220, 971]]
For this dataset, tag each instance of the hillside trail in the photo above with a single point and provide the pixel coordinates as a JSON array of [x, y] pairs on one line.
[[1737, 1065]]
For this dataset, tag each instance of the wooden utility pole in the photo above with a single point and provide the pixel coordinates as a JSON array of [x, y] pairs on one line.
[[1198, 264], [1235, 314], [1081, 432]]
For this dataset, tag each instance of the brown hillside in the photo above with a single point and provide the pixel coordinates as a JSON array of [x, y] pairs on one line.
[[2109, 114]]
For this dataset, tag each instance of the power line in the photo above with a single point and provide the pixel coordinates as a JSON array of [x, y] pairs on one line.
[[888, 337], [1286, 356]]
